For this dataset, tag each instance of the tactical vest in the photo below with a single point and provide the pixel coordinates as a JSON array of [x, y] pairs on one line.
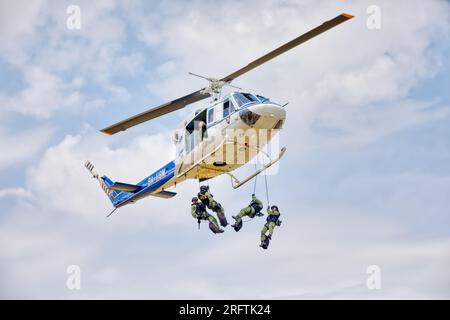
[[256, 206], [273, 217], [200, 210], [203, 198]]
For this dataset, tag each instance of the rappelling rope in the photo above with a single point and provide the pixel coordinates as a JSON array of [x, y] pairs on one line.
[[267, 196], [256, 179], [254, 189], [267, 189]]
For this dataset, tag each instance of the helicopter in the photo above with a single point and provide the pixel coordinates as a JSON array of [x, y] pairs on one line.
[[214, 140]]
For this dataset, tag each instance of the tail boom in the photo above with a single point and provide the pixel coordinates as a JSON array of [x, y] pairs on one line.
[[120, 193]]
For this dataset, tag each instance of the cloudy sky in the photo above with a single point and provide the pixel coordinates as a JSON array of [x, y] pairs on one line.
[[365, 179]]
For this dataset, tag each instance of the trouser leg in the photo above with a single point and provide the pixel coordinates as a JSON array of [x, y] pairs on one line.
[[213, 220], [271, 228], [263, 233], [264, 239], [218, 209], [213, 225], [244, 212]]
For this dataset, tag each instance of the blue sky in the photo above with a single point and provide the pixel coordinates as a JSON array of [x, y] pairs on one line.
[[365, 180]]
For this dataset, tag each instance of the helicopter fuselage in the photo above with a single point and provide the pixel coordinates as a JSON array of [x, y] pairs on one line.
[[215, 140]]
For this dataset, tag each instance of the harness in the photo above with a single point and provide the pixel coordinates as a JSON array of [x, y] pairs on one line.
[[200, 210], [203, 198], [256, 206], [273, 218]]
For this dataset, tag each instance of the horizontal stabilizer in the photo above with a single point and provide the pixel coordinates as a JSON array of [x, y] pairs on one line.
[[120, 186], [164, 194]]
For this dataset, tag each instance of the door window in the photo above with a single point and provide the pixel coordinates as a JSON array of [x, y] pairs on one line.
[[211, 115], [226, 108]]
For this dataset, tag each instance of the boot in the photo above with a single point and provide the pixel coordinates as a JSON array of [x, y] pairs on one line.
[[265, 243], [223, 220], [237, 226], [214, 228]]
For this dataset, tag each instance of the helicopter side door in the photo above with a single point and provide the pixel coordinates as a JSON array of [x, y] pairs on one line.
[[210, 116], [228, 110], [195, 131], [224, 110]]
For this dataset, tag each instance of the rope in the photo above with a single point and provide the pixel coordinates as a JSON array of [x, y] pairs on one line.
[[249, 219], [256, 179], [254, 190], [267, 189], [198, 177]]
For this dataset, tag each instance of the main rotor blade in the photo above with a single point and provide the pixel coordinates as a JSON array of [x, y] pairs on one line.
[[291, 44], [156, 112]]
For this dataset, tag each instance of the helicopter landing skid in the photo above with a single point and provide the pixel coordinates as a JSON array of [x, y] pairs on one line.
[[236, 183]]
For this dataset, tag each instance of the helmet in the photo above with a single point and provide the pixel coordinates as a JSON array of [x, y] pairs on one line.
[[194, 199], [204, 188], [274, 207]]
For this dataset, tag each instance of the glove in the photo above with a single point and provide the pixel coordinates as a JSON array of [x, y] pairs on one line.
[[260, 214], [253, 194]]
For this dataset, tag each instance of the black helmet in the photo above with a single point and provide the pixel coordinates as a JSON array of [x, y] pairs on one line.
[[274, 208], [194, 199], [204, 188]]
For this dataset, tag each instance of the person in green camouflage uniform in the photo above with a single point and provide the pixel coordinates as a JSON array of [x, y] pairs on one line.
[[198, 211], [252, 210], [273, 220], [207, 198]]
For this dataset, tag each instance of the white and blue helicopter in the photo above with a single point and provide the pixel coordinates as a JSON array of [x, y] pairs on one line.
[[236, 126]]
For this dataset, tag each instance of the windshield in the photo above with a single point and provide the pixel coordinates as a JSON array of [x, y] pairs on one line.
[[243, 98], [261, 98]]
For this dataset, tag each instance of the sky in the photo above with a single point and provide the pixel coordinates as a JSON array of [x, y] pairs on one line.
[[365, 180]]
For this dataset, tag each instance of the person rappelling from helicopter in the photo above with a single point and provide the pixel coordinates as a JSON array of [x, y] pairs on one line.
[[252, 210], [272, 221], [198, 211], [208, 200]]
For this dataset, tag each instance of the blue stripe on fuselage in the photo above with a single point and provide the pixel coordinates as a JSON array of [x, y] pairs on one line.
[[149, 184]]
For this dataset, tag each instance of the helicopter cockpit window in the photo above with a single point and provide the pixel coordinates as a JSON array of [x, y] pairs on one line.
[[241, 99], [211, 115], [262, 99], [250, 97]]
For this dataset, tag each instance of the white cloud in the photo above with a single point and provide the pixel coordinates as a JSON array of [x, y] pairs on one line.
[[44, 94], [359, 127], [18, 23], [130, 64], [14, 192], [19, 147], [49, 56]]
